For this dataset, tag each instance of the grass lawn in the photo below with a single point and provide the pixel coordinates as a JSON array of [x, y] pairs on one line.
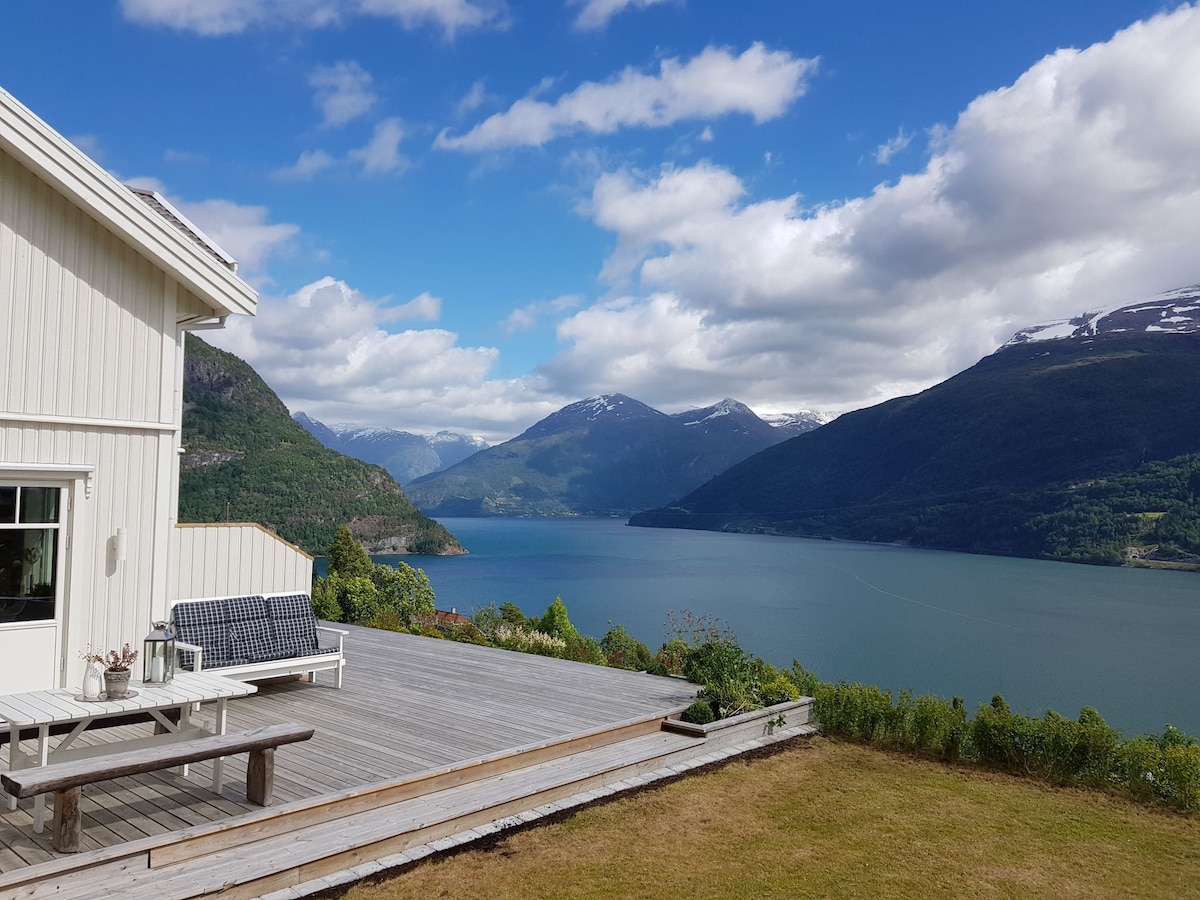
[[825, 818]]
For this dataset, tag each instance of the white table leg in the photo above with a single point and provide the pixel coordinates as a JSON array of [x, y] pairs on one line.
[[39, 802], [218, 763], [14, 757]]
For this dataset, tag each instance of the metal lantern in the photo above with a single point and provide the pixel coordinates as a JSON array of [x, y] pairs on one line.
[[158, 654]]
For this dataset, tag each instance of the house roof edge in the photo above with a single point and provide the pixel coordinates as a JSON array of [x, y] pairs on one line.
[[78, 177]]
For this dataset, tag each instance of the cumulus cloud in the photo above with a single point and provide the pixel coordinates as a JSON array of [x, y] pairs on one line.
[[1076, 186], [382, 152], [380, 156], [328, 350], [343, 92], [759, 82], [595, 14], [242, 231], [220, 17], [423, 306]]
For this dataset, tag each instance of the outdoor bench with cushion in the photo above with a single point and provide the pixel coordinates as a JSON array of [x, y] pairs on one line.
[[256, 637]]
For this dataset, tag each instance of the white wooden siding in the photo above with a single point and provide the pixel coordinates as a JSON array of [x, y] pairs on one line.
[[224, 560], [82, 314]]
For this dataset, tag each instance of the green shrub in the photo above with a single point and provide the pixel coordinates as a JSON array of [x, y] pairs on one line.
[[325, 602], [623, 651], [806, 682], [726, 675], [779, 690], [1179, 783], [672, 655], [699, 713], [939, 727]]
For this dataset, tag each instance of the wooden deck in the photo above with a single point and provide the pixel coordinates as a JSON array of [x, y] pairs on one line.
[[409, 706]]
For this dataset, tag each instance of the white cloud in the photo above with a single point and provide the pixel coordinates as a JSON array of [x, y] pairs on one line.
[[326, 350], [597, 13], [525, 318], [218, 17], [240, 230], [889, 148], [760, 83], [343, 92], [472, 100], [308, 165], [423, 306], [382, 152], [1077, 186]]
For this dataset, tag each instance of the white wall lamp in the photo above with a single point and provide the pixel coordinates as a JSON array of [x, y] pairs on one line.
[[121, 545]]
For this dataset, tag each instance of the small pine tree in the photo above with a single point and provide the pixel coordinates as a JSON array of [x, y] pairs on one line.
[[347, 556], [557, 623]]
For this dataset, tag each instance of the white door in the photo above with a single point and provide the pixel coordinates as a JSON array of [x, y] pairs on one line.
[[32, 568]]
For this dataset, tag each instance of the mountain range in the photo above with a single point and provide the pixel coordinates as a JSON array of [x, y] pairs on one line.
[[405, 455], [246, 460], [1077, 439], [604, 456]]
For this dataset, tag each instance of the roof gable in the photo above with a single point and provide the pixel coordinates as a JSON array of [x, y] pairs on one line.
[[181, 250]]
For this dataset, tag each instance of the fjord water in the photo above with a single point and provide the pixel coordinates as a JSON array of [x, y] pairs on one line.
[[1046, 635]]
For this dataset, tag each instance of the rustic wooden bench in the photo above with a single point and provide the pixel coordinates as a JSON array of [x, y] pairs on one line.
[[66, 779]]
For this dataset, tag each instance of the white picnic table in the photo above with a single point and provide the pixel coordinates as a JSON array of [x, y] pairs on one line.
[[42, 709]]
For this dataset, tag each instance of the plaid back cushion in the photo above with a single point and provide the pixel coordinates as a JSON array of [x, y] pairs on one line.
[[251, 634], [202, 622], [295, 624]]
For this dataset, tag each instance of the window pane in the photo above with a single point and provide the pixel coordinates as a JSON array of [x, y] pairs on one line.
[[27, 569], [8, 504], [39, 504]]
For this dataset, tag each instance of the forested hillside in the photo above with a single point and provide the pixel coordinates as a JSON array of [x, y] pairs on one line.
[[1071, 449], [246, 460]]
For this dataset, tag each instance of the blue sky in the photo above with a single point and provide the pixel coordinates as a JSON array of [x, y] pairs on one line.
[[465, 214]]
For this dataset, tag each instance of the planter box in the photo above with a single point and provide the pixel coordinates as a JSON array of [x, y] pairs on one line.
[[744, 727]]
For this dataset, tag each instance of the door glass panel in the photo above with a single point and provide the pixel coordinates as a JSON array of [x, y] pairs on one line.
[[28, 556]]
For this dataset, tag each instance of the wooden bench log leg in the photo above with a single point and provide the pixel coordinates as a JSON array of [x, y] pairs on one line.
[[260, 776], [68, 820]]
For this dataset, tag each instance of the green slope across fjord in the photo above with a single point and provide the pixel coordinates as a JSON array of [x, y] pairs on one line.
[[246, 460], [978, 461]]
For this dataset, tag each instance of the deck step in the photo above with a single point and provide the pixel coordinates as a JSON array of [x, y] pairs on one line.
[[331, 846]]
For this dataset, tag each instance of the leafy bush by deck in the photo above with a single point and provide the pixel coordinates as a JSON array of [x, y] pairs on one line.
[[1086, 752]]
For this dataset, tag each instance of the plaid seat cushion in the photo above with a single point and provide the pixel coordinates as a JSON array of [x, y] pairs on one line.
[[251, 632], [238, 630], [203, 622], [295, 624]]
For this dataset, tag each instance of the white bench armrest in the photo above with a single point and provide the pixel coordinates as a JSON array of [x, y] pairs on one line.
[[195, 649], [341, 635]]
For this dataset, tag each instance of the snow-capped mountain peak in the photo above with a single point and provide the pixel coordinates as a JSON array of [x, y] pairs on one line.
[[1173, 312]]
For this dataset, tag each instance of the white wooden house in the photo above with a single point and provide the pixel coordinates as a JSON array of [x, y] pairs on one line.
[[98, 285]]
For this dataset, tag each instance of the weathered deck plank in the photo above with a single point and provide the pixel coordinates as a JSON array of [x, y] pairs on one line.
[[408, 704]]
